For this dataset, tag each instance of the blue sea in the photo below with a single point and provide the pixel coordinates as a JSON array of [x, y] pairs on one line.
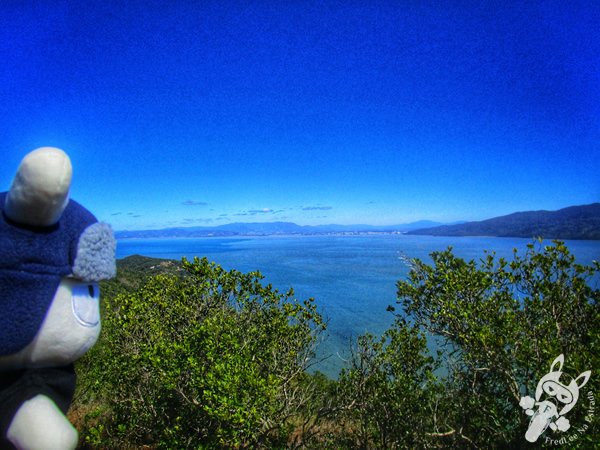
[[352, 278]]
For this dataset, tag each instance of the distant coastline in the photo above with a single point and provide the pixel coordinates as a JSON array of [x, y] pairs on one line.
[[272, 229], [572, 223], [275, 235]]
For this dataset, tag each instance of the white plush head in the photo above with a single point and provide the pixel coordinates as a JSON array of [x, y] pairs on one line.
[[40, 191]]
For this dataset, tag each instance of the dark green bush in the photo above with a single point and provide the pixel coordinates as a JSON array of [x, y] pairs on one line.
[[212, 358], [499, 326], [215, 359]]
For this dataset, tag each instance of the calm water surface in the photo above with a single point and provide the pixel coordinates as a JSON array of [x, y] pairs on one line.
[[352, 278]]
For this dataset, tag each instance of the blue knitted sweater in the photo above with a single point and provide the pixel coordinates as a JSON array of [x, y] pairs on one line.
[[33, 261]]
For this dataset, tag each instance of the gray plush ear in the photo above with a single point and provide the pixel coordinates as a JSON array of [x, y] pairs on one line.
[[96, 249]]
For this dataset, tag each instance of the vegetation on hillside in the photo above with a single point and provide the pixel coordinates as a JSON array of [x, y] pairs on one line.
[[200, 357], [208, 356], [574, 222]]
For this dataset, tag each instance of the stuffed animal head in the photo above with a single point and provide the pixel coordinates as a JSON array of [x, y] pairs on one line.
[[53, 252], [40, 190]]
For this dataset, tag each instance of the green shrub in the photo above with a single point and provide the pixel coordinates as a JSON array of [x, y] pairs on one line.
[[215, 359], [386, 395], [211, 359], [499, 326]]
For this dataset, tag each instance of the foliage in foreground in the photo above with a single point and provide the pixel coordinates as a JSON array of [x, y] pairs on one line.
[[214, 359], [499, 326]]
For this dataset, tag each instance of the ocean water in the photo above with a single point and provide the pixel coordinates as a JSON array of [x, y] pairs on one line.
[[352, 278]]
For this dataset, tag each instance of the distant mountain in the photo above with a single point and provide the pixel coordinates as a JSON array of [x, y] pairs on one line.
[[575, 222], [268, 229]]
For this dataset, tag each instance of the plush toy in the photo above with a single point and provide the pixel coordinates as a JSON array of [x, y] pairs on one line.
[[53, 252]]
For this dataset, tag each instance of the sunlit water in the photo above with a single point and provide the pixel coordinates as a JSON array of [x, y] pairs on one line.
[[352, 278]]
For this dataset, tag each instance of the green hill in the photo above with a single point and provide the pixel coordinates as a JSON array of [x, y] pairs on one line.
[[133, 271], [575, 222]]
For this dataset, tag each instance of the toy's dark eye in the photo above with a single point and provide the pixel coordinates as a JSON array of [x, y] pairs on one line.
[[91, 290], [550, 389]]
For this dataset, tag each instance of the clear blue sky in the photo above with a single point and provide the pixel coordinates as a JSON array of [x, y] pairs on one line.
[[382, 112]]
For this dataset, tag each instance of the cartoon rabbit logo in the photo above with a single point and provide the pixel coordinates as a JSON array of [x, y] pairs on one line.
[[550, 395]]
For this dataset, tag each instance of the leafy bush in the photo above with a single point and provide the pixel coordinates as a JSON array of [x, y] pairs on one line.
[[499, 325], [386, 395], [215, 359], [211, 358]]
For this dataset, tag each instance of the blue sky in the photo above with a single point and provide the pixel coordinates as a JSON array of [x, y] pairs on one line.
[[202, 113]]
